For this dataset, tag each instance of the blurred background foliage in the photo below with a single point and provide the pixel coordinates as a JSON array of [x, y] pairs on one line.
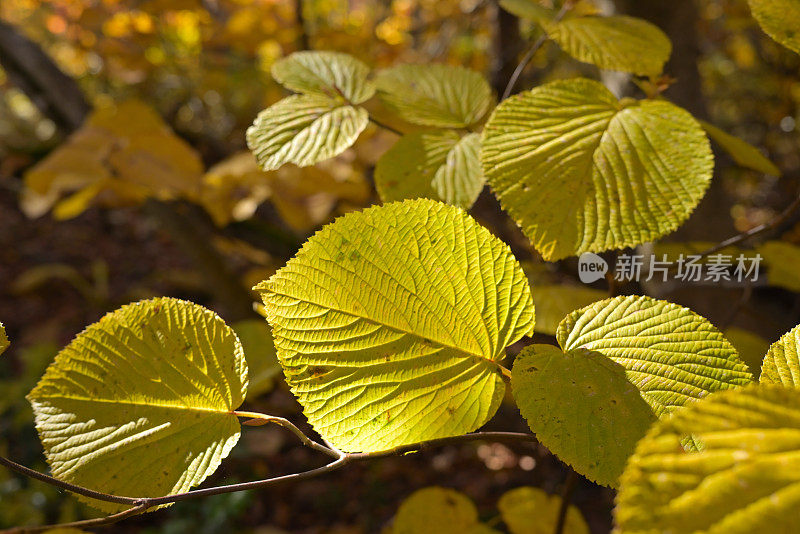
[[155, 193]]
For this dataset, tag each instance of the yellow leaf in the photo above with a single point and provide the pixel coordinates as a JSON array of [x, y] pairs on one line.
[[234, 188], [121, 155], [305, 197], [141, 403], [439, 510], [528, 510]]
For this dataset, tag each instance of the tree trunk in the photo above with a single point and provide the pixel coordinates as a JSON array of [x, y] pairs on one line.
[[56, 95], [507, 46]]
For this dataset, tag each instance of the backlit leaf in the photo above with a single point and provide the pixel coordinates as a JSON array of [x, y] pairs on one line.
[[782, 361], [670, 353], [529, 510], [390, 324], [304, 129], [331, 74], [582, 407], [581, 171], [439, 510], [742, 478], [625, 361], [780, 19], [619, 43], [438, 164], [742, 152], [437, 95], [140, 403]]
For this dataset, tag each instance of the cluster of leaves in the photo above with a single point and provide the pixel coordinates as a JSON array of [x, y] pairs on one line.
[[206, 63], [125, 153], [630, 170], [391, 324]]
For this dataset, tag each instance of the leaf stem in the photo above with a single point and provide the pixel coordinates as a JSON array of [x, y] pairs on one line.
[[772, 224], [532, 52], [258, 419], [506, 372], [80, 490], [509, 437], [760, 229], [385, 126], [97, 522]]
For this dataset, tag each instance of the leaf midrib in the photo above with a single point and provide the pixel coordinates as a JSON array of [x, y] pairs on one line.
[[381, 323], [94, 400]]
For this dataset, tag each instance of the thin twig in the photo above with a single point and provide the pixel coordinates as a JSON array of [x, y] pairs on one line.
[[566, 497], [86, 523], [744, 236], [80, 490], [145, 503], [522, 64], [532, 52], [518, 437], [385, 126], [760, 229], [258, 419], [243, 486]]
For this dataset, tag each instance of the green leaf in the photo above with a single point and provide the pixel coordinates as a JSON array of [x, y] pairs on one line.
[[4, 343], [304, 130], [625, 361], [439, 510], [528, 510], [580, 171], [436, 95], [439, 164], [582, 407], [331, 74], [259, 351], [780, 19], [742, 152], [553, 302], [528, 9], [782, 362], [750, 347], [671, 354], [781, 259], [390, 324], [742, 478], [140, 403], [621, 43]]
